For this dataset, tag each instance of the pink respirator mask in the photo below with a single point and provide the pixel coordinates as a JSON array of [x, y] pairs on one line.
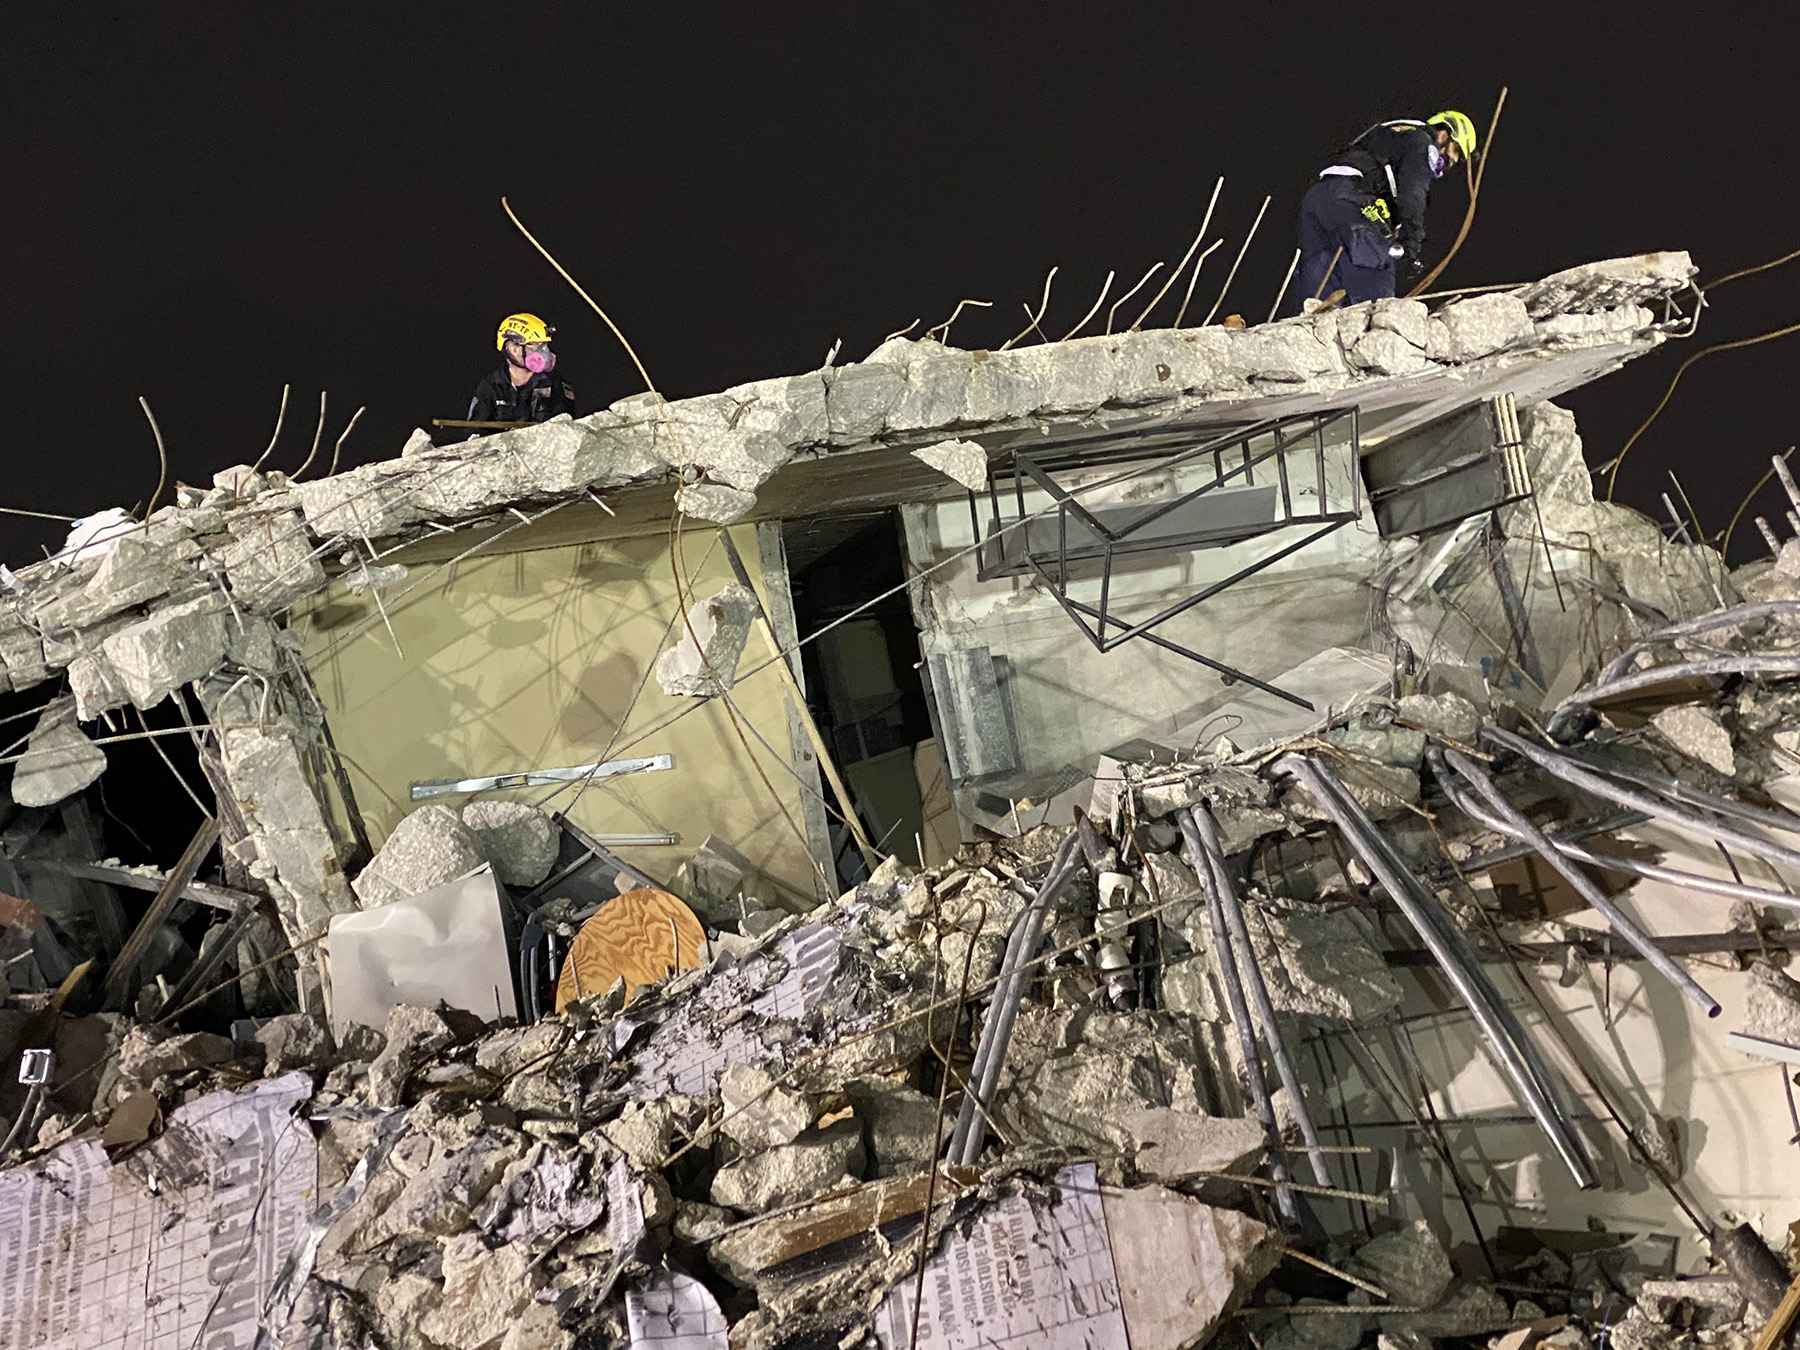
[[539, 359]]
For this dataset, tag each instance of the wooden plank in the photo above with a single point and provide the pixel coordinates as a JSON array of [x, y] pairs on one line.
[[124, 966], [200, 892], [1776, 1328]]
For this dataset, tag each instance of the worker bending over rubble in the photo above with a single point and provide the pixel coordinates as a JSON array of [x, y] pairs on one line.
[[1366, 212], [526, 387]]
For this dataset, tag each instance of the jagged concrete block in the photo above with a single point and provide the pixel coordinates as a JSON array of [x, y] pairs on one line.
[[711, 880], [468, 479], [95, 685], [485, 1292], [716, 502], [520, 840], [1282, 353], [717, 434], [790, 408], [264, 769], [363, 503], [632, 450], [758, 1114], [240, 480], [1409, 318], [902, 1123], [812, 1164], [1772, 1008], [1608, 284], [1177, 1145], [937, 382], [174, 646], [857, 400], [1001, 387], [1483, 324], [21, 654], [271, 562], [133, 572], [1450, 716], [1606, 325], [251, 642], [426, 849], [703, 662], [1384, 352], [1409, 1263], [1183, 1266], [1320, 963], [1077, 376], [149, 1052], [539, 1327], [1165, 363], [964, 461], [413, 1036], [559, 457], [59, 759], [1698, 734], [295, 1041]]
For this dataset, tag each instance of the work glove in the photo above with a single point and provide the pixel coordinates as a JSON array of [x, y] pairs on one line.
[[1410, 270]]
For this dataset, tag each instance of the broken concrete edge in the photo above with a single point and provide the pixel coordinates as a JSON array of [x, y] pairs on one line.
[[221, 559]]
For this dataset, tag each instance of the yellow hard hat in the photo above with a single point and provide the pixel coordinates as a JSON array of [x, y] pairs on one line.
[[1461, 129], [522, 328]]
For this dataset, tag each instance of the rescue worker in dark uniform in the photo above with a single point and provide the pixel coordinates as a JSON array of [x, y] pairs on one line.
[[526, 387], [1366, 212]]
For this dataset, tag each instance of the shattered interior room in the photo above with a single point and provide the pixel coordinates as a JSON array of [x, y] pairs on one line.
[[1225, 785]]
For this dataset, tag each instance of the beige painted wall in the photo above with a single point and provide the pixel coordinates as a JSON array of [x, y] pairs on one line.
[[530, 660]]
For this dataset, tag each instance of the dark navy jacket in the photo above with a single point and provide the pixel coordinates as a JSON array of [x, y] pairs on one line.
[[1394, 159], [537, 400]]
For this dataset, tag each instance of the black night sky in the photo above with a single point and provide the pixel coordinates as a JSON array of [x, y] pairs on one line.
[[207, 201]]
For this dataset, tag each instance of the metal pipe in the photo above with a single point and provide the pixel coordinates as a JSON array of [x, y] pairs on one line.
[[1589, 780], [1706, 623], [1755, 663], [1517, 1059], [965, 1143], [1676, 790], [1245, 952], [1515, 822], [1240, 1018]]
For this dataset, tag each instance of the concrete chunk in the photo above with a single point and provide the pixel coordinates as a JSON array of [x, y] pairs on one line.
[[902, 1123], [485, 1293], [520, 840], [1409, 318], [964, 461], [271, 562], [1409, 1263], [857, 400], [1697, 733], [703, 662], [426, 849], [172, 647], [813, 1164], [716, 502], [1183, 1266], [1772, 1009], [59, 760], [1382, 352], [1483, 324], [758, 1114]]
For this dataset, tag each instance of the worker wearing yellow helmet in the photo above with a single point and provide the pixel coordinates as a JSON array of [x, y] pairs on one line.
[[1364, 219], [526, 387]]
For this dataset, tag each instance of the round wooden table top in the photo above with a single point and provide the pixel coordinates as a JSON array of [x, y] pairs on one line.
[[639, 937]]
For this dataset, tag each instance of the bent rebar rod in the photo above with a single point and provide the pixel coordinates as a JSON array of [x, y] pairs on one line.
[[1240, 1018], [1753, 664], [965, 1140], [1514, 822], [1517, 1058], [1244, 953], [1706, 623], [1688, 795], [1591, 780]]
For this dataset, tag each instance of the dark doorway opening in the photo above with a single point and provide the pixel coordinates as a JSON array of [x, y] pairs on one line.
[[863, 686]]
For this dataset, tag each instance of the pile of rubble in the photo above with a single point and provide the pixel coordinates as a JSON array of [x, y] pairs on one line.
[[1088, 1083]]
